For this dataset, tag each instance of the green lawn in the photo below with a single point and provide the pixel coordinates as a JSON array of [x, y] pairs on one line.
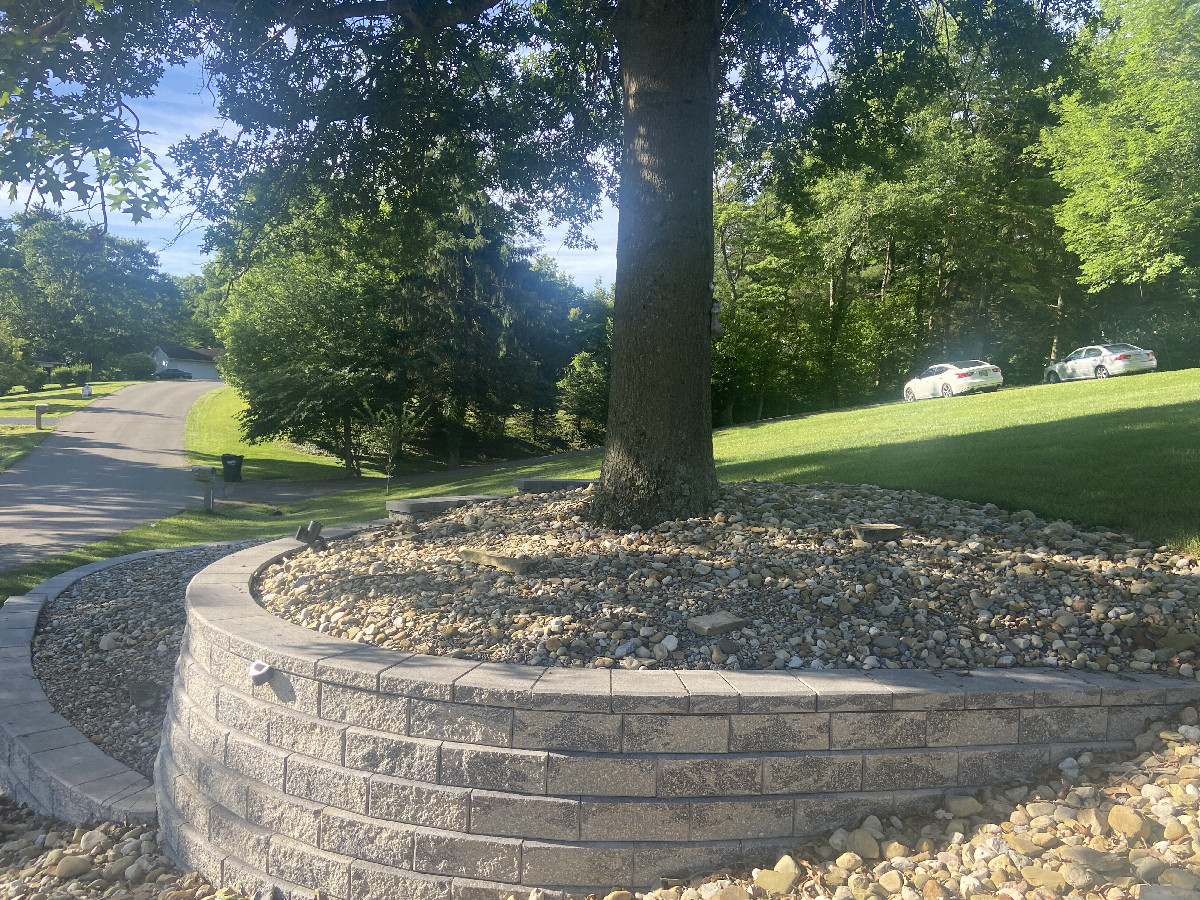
[[16, 441], [212, 429], [1122, 453], [61, 401]]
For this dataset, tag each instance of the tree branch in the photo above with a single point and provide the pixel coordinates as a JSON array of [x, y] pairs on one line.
[[422, 15]]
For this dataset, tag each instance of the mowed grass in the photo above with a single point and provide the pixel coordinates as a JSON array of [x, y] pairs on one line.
[[213, 429], [1122, 454], [61, 401], [16, 441]]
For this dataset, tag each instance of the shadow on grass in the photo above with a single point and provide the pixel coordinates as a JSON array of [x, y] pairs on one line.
[[1135, 470]]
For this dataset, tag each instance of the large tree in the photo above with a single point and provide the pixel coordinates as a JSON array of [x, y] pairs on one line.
[[416, 101]]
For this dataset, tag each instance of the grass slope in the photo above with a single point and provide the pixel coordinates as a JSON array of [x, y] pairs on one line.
[[16, 441], [213, 429], [61, 401]]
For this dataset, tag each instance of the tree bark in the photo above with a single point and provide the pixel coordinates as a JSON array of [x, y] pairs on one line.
[[658, 458]]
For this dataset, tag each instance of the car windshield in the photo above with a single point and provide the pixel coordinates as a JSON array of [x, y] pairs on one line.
[[969, 363], [1121, 348]]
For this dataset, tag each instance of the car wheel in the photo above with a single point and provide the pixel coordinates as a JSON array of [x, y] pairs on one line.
[[1052, 378], [909, 396], [947, 391], [1101, 372]]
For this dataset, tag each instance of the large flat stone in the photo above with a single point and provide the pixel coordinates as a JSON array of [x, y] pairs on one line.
[[716, 623]]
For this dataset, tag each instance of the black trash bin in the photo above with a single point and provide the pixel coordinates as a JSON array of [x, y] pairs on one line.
[[231, 467]]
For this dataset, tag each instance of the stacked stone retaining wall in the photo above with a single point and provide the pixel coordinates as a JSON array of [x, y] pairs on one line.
[[365, 774]]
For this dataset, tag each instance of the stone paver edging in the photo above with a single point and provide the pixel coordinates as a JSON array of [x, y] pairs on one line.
[[44, 760], [364, 773]]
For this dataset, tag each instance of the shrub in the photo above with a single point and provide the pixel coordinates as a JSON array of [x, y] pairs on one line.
[[36, 378], [62, 375], [81, 374], [136, 366]]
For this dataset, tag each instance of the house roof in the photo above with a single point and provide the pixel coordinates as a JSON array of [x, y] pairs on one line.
[[196, 354]]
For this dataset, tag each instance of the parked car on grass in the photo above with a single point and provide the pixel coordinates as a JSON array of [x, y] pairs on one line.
[[952, 378], [1101, 361], [162, 374]]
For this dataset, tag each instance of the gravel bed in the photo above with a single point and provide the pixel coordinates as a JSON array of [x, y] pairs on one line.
[[527, 579], [105, 650]]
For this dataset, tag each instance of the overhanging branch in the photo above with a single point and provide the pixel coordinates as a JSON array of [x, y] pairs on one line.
[[420, 15]]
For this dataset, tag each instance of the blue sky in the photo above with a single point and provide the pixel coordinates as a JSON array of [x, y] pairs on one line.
[[183, 106]]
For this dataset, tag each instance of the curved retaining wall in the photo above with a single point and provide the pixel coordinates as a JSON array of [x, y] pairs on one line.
[[364, 773]]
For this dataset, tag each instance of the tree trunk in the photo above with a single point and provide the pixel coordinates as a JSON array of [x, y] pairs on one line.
[[658, 458], [1058, 320]]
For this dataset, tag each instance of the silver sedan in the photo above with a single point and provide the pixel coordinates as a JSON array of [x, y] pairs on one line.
[[1101, 361], [949, 379]]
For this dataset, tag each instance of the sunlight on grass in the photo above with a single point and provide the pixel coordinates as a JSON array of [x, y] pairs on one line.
[[61, 401], [16, 441], [213, 429]]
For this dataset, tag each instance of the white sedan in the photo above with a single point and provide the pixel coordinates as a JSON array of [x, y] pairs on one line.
[[949, 379], [1100, 361]]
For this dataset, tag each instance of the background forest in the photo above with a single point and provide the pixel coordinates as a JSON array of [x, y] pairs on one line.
[[1037, 190]]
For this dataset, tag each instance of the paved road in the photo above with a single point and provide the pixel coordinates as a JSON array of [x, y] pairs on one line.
[[111, 465]]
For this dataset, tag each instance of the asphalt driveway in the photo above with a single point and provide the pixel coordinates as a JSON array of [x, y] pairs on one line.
[[111, 465]]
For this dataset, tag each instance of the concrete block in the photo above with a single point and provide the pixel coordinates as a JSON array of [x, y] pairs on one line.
[[785, 731], [221, 786], [208, 735], [369, 881], [973, 727], [555, 730], [366, 709], [1055, 689], [53, 739], [202, 690], [505, 815], [812, 773], [427, 507], [306, 734], [648, 691], [629, 776], [359, 837], [894, 770], [256, 760], [425, 677], [843, 690], [282, 814], [462, 722], [21, 719], [1127, 722], [242, 713], [520, 771], [1043, 726], [995, 689], [617, 821], [708, 692], [771, 692], [328, 784], [411, 802], [708, 776], [390, 754], [238, 838], [302, 695], [877, 730], [821, 814], [573, 690], [471, 889], [197, 854], [309, 867], [915, 689], [725, 820], [652, 863], [358, 667], [676, 734], [190, 806], [246, 879], [985, 768], [497, 684], [493, 859], [575, 867]]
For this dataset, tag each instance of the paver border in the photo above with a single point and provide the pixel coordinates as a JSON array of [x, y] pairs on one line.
[[45, 762]]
